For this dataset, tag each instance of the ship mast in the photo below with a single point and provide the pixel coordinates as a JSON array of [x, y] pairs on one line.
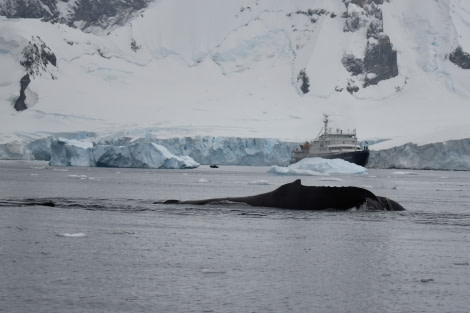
[[325, 128], [325, 121]]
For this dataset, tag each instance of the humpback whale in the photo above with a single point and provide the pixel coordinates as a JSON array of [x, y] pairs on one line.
[[296, 196]]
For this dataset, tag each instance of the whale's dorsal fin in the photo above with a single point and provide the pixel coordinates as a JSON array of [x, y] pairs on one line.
[[297, 182]]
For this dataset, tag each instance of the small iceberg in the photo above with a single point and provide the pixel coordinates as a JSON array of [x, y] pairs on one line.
[[72, 235], [318, 167], [259, 182]]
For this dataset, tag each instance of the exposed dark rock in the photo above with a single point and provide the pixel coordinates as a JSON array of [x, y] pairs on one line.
[[460, 58], [352, 64], [105, 13], [353, 20], [243, 9], [36, 56], [362, 3], [314, 14], [101, 13], [134, 45], [29, 9], [352, 88], [380, 61], [373, 10], [305, 87], [352, 23], [311, 12], [101, 53], [375, 28], [20, 104]]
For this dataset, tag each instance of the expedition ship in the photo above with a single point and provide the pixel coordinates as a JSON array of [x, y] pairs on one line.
[[333, 145]]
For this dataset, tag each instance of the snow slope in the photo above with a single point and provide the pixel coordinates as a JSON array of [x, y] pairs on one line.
[[218, 68]]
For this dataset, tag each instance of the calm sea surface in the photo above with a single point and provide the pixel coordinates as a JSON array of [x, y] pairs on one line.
[[107, 247]]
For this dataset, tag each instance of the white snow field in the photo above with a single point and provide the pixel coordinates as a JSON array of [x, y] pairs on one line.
[[230, 69]]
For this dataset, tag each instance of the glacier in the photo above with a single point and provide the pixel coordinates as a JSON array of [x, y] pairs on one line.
[[214, 80], [187, 152], [139, 154], [165, 153], [232, 150], [174, 70], [448, 155]]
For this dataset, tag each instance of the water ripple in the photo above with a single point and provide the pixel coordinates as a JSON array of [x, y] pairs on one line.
[[138, 205]]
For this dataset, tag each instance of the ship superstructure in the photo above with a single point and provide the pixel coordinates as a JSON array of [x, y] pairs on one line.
[[330, 144]]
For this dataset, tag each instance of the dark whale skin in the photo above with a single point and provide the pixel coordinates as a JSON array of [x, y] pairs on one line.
[[296, 196]]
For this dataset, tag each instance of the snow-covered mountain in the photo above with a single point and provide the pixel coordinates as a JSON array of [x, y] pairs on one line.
[[394, 69]]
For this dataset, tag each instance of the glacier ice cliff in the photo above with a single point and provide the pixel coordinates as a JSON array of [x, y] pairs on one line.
[[448, 155], [15, 150], [192, 151], [232, 150], [220, 150], [124, 152], [138, 154], [76, 149]]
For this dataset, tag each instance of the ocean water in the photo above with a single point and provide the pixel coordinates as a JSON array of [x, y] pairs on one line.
[[109, 246]]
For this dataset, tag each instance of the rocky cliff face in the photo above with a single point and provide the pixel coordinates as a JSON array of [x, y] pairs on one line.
[[460, 58], [36, 58], [29, 8], [20, 103], [105, 13], [83, 14], [380, 59]]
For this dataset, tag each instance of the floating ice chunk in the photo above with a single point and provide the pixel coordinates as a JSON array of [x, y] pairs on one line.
[[72, 235], [330, 179], [318, 166], [404, 173], [259, 182]]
